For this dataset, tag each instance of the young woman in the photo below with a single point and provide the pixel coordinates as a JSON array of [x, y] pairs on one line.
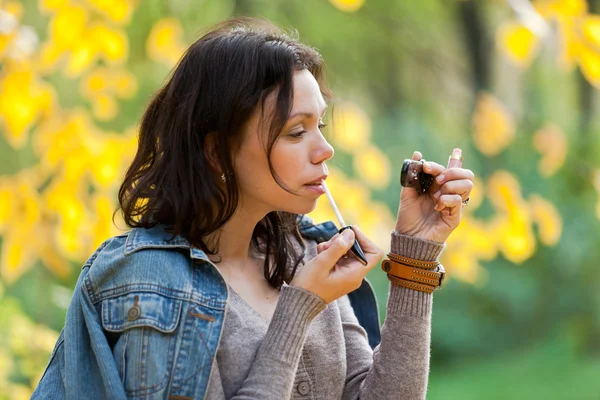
[[223, 289]]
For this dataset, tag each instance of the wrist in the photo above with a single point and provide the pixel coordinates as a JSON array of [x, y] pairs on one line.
[[415, 247]]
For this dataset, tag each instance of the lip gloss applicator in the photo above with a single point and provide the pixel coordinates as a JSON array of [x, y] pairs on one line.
[[356, 250]]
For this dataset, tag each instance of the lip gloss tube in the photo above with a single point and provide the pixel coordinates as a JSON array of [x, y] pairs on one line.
[[355, 250]]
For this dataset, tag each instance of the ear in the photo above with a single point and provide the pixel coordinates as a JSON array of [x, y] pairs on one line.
[[210, 153]]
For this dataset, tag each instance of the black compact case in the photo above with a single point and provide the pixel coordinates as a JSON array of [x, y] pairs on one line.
[[412, 175], [356, 250]]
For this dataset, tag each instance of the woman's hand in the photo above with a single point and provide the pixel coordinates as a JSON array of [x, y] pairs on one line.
[[329, 275], [433, 215]]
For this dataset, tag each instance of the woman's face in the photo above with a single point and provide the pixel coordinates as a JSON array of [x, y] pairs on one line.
[[298, 155]]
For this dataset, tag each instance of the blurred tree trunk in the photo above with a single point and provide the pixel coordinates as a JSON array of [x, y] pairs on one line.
[[475, 39], [586, 101]]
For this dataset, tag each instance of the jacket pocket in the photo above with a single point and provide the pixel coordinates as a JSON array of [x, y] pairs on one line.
[[146, 323]]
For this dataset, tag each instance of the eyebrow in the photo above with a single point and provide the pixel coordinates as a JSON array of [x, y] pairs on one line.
[[306, 114]]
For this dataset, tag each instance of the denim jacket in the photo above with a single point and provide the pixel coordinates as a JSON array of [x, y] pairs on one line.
[[146, 318]]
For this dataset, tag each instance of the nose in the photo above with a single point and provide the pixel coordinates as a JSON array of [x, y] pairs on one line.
[[322, 150]]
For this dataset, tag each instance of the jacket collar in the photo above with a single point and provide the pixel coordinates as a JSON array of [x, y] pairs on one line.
[[157, 237]]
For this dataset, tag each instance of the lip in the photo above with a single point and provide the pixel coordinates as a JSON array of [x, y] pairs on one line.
[[316, 181], [319, 189], [316, 186]]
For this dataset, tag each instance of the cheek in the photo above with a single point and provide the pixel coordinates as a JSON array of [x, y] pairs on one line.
[[287, 162]]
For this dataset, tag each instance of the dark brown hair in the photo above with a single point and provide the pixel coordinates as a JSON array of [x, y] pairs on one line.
[[219, 82]]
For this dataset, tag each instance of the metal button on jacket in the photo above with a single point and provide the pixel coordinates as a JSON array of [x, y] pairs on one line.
[[133, 313], [303, 388]]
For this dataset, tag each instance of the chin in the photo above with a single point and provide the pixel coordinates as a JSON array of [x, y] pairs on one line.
[[300, 208]]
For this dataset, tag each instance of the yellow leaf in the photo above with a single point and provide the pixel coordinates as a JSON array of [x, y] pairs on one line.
[[66, 199], [106, 163], [19, 245], [589, 61], [49, 55], [13, 7], [124, 84], [97, 81], [24, 98], [512, 227], [493, 126], [547, 218], [68, 27], [517, 43], [111, 43], [81, 58], [52, 5], [351, 128], [348, 5], [53, 261], [591, 29], [105, 107], [102, 227], [7, 203], [61, 137], [561, 8], [373, 166], [4, 41], [569, 44], [164, 41], [464, 267], [504, 191], [552, 143], [117, 10], [515, 235]]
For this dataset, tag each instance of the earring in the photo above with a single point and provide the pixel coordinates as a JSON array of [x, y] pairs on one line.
[[223, 177]]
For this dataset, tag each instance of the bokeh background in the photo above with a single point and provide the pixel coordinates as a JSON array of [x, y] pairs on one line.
[[513, 83]]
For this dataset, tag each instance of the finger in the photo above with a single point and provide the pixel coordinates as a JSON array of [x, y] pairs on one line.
[[436, 170], [448, 176], [462, 187], [337, 248], [452, 174], [455, 160], [433, 168], [320, 247], [417, 156], [372, 252], [325, 245], [450, 201]]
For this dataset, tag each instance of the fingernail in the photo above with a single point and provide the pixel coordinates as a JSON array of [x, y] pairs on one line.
[[435, 207], [348, 234], [440, 178], [437, 194]]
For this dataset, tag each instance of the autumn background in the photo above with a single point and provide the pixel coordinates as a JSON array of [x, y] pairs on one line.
[[513, 83]]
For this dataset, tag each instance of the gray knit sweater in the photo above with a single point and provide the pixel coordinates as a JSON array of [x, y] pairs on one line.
[[311, 350]]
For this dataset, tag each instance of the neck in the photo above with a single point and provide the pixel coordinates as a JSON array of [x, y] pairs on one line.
[[236, 235]]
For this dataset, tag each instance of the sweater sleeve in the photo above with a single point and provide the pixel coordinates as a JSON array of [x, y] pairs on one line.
[[274, 368], [398, 368]]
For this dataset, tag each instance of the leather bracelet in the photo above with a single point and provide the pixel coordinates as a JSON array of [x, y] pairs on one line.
[[407, 272], [412, 262], [411, 285]]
